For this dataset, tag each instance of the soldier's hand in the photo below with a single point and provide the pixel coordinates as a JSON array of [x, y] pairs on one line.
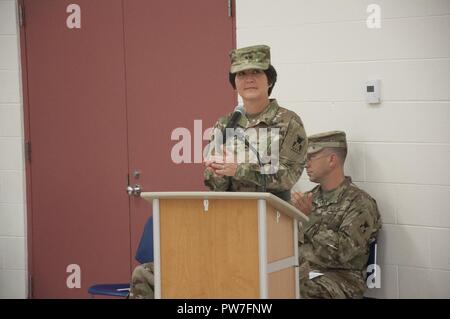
[[213, 159], [225, 169], [303, 202], [224, 165], [208, 164], [210, 161]]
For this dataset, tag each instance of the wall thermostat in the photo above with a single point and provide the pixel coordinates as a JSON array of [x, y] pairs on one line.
[[373, 91]]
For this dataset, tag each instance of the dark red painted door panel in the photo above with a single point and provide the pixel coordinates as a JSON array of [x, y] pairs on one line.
[[103, 101], [77, 116], [177, 72]]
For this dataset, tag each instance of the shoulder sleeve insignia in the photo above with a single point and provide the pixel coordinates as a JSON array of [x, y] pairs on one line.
[[297, 145]]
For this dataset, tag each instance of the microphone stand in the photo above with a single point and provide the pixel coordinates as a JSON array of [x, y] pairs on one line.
[[240, 136]]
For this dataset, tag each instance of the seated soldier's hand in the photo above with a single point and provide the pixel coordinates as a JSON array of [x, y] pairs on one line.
[[303, 202]]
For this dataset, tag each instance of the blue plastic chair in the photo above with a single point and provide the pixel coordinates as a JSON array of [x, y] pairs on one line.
[[372, 257], [144, 254]]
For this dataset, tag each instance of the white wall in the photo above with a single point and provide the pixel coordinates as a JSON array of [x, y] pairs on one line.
[[399, 149], [13, 271]]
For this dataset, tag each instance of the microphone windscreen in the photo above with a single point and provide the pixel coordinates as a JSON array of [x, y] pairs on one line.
[[240, 109]]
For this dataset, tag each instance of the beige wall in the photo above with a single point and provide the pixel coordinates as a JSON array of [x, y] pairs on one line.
[[399, 149]]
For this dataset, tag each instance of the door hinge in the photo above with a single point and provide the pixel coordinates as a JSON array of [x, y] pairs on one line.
[[28, 151], [21, 15], [30, 287], [230, 8]]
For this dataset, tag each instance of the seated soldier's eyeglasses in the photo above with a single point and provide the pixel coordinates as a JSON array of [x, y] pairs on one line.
[[311, 158]]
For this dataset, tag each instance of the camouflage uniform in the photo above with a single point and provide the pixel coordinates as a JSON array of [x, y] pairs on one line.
[[292, 154], [142, 282], [336, 240]]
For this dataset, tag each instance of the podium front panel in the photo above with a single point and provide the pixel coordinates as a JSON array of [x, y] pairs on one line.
[[209, 253]]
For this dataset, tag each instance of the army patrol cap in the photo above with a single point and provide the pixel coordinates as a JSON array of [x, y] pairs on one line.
[[254, 57], [318, 142]]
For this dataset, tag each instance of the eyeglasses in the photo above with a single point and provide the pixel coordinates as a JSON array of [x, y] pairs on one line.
[[310, 158]]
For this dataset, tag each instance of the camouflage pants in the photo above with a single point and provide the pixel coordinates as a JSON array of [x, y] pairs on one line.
[[327, 287], [142, 282]]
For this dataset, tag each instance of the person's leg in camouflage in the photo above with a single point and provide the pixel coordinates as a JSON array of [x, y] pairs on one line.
[[142, 282], [321, 288], [331, 286]]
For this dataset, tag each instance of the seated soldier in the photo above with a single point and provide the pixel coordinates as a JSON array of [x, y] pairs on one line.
[[343, 221], [142, 282]]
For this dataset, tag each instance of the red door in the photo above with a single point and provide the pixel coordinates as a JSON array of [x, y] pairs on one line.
[[102, 101], [177, 72], [79, 164]]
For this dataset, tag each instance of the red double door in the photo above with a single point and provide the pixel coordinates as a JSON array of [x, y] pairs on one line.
[[106, 83]]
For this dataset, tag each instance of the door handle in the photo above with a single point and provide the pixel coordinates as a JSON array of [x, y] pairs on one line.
[[134, 190]]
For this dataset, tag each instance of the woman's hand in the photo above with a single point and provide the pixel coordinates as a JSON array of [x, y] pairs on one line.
[[224, 169], [221, 165]]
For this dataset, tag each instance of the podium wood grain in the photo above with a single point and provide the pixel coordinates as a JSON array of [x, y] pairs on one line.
[[223, 240], [224, 245]]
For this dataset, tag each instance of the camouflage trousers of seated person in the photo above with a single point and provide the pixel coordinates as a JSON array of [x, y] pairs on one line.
[[143, 282], [327, 287]]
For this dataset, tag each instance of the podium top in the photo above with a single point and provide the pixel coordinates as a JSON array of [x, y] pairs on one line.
[[273, 200]]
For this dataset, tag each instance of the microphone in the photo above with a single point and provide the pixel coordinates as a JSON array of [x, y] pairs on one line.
[[238, 111], [232, 123]]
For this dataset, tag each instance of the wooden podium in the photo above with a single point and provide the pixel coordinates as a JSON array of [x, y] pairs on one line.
[[224, 245]]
